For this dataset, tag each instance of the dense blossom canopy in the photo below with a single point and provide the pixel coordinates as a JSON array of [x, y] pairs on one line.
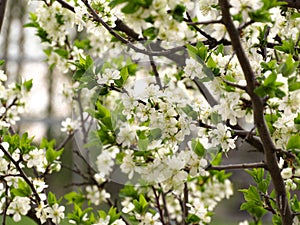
[[161, 90]]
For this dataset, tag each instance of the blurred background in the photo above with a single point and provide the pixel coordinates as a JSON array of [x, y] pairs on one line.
[[46, 106]]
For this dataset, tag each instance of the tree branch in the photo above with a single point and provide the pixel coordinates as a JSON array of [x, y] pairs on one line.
[[259, 120]]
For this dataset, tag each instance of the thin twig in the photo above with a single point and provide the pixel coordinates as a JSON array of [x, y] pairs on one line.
[[238, 166], [65, 141], [158, 205], [166, 211], [204, 22], [243, 26], [155, 71], [242, 87]]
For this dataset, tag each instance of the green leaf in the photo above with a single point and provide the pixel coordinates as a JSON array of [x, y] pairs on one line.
[[75, 197], [113, 214], [192, 219], [251, 194], [260, 16], [188, 110], [27, 85], [114, 3], [270, 80], [276, 220], [2, 62], [102, 111], [143, 144], [83, 44], [155, 134], [51, 198], [178, 13], [261, 180], [62, 52], [297, 122], [141, 205], [293, 142], [198, 148], [293, 83], [286, 47], [124, 76], [289, 66], [151, 33], [131, 7], [47, 144], [129, 191], [52, 155], [215, 118], [272, 65], [23, 189]]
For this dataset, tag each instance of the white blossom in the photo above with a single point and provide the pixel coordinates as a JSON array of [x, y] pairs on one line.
[[19, 207], [95, 195], [55, 213], [287, 173], [193, 69], [108, 76], [69, 125]]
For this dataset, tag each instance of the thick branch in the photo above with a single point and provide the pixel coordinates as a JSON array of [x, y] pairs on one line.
[[2, 12], [259, 120]]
